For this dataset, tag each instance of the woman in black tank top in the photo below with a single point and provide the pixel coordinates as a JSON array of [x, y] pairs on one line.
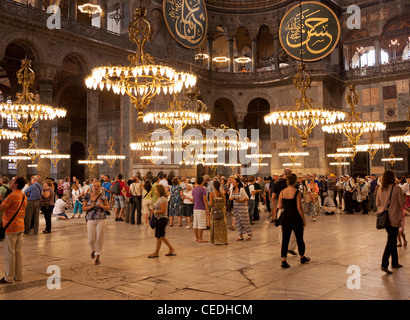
[[292, 219]]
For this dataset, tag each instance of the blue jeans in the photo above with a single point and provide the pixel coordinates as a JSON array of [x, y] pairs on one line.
[[78, 206], [251, 208]]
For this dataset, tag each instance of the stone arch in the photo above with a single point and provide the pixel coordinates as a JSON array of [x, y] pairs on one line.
[[223, 113], [398, 28], [257, 108], [226, 95], [77, 57], [265, 48], [34, 52]]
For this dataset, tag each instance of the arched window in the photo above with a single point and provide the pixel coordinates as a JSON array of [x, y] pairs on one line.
[[12, 152], [368, 59], [406, 52], [11, 123]]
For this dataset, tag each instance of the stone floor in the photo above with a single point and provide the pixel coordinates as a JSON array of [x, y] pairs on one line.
[[247, 270]]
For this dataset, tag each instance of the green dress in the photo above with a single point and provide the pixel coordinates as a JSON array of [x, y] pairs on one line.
[[218, 228]]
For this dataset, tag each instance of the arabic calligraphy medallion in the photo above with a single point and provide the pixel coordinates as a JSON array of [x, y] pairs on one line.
[[309, 32], [187, 21]]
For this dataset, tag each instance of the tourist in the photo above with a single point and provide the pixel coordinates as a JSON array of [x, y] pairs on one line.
[[67, 187], [96, 206], [329, 206], [60, 188], [218, 227], [160, 211], [188, 205], [59, 208], [76, 196], [292, 219], [340, 192], [47, 203], [147, 204], [404, 185], [116, 190], [240, 210], [349, 188], [201, 210], [33, 193], [391, 197], [128, 199], [164, 182], [363, 193], [175, 202], [311, 200], [13, 206], [136, 191]]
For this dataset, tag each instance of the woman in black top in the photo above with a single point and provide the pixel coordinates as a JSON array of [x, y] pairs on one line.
[[293, 219]]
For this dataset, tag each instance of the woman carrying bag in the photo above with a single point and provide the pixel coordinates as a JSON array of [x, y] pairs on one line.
[[390, 197]]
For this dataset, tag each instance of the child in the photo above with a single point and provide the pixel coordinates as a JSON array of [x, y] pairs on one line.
[[59, 208], [188, 205]]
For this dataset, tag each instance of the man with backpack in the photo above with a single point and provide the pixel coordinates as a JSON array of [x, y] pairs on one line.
[[116, 190], [4, 191]]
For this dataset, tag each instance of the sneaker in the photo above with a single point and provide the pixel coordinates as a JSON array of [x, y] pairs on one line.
[[304, 260], [285, 265], [188, 227]]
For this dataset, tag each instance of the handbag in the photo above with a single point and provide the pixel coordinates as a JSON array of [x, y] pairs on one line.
[[3, 229], [153, 221], [278, 217], [382, 221]]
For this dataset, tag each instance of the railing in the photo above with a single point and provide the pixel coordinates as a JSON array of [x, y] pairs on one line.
[[270, 76], [22, 11], [319, 68]]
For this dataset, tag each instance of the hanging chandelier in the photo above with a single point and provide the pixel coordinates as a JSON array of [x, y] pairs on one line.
[[90, 8], [293, 154], [15, 159], [220, 59], [55, 157], [243, 59], [6, 134], [91, 162], [405, 137], [25, 111], [259, 156], [372, 147], [354, 127], [303, 117], [111, 157], [33, 151], [392, 158], [339, 157], [142, 79], [179, 114]]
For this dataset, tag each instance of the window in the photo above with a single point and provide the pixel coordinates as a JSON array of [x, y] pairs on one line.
[[406, 52], [12, 152], [368, 59], [11, 123]]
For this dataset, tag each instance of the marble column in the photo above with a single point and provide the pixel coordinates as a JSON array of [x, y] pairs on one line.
[[230, 53], [104, 15], [377, 54], [127, 116], [240, 117], [72, 9], [93, 104], [210, 56], [276, 52], [254, 55], [45, 75]]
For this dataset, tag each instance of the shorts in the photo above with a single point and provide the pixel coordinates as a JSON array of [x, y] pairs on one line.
[[187, 210], [119, 202], [199, 219], [160, 227]]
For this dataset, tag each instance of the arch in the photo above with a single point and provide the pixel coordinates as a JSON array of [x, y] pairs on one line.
[[76, 57], [256, 95], [34, 51], [265, 48], [228, 96], [77, 152], [257, 109], [223, 113]]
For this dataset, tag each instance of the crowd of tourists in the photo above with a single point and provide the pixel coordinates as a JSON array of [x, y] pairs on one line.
[[218, 204]]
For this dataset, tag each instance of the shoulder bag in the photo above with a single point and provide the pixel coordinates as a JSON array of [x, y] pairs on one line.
[[3, 229], [383, 217]]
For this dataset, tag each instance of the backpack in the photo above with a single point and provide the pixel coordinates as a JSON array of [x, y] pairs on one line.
[[8, 191], [248, 191], [115, 189]]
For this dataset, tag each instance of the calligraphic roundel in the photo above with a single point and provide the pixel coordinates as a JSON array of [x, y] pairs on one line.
[[309, 31], [187, 21]]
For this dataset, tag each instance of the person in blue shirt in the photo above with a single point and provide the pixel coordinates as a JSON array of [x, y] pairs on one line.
[[106, 186], [33, 193]]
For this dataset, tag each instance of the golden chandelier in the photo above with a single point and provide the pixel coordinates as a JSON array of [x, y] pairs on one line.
[[303, 117], [142, 79], [405, 137], [25, 111], [354, 127]]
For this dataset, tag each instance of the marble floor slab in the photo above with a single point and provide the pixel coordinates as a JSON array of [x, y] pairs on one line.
[[241, 270]]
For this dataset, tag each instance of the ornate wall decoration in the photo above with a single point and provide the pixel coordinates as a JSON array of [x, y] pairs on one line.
[[187, 21], [390, 110], [309, 31]]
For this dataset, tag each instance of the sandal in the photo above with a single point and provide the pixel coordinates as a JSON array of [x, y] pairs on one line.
[[239, 239], [152, 256], [93, 255], [97, 262], [170, 254]]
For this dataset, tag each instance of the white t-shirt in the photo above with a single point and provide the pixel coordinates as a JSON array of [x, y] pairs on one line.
[[251, 189], [60, 206], [188, 194], [164, 183], [76, 194]]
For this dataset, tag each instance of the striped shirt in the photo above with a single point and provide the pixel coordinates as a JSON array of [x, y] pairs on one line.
[[10, 206]]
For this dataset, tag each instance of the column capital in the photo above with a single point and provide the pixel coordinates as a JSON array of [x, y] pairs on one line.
[[240, 116], [45, 72]]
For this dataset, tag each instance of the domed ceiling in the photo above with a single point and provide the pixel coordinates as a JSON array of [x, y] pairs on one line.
[[242, 4]]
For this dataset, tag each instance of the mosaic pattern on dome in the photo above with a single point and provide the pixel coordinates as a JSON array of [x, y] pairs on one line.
[[242, 4]]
